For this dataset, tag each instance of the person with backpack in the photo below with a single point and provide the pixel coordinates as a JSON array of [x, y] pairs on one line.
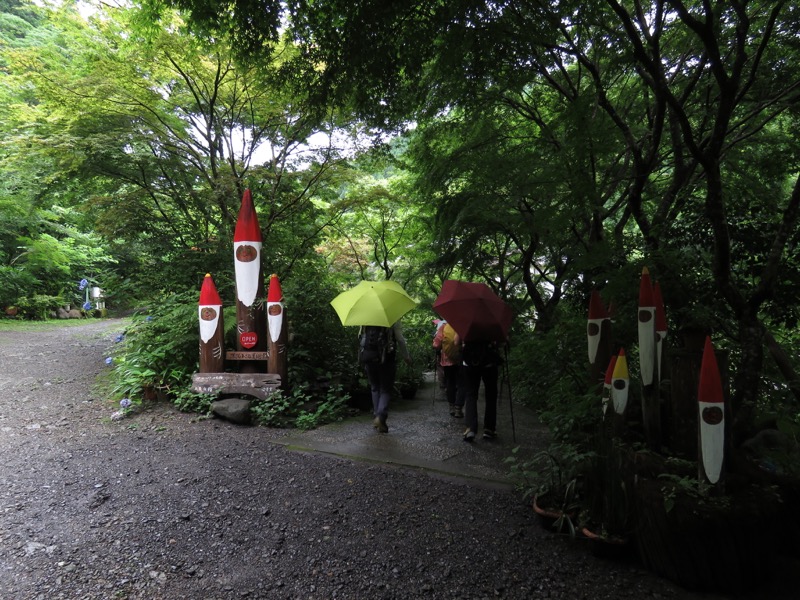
[[481, 362], [378, 348], [448, 344]]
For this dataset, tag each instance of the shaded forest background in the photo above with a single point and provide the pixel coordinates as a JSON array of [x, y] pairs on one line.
[[545, 148]]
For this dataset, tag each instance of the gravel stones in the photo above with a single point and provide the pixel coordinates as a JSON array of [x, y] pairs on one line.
[[163, 505]]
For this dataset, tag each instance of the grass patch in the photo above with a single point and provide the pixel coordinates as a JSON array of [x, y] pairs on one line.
[[26, 325]]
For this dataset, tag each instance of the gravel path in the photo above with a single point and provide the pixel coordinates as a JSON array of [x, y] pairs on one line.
[[163, 505]]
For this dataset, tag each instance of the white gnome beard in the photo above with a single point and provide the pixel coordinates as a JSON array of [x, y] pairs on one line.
[[247, 274], [647, 344], [594, 339], [619, 395], [275, 321], [712, 443], [208, 328]]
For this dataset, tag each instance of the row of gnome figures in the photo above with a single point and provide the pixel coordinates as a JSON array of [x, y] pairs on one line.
[[652, 330], [261, 326]]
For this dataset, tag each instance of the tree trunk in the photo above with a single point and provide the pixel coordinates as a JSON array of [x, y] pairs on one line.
[[748, 376], [784, 362]]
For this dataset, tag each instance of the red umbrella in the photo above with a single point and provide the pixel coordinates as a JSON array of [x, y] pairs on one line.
[[474, 311]]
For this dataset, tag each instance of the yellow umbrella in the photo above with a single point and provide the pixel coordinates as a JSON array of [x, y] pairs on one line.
[[373, 303]]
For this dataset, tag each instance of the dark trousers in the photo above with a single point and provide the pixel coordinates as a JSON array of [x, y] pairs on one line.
[[381, 382], [454, 387], [473, 377]]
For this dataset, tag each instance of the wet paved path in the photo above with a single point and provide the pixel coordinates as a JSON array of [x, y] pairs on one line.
[[423, 435]]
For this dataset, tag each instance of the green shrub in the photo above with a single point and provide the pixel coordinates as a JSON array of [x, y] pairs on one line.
[[188, 401], [331, 409], [38, 306], [319, 344], [14, 281], [418, 332], [280, 408], [300, 407], [159, 351]]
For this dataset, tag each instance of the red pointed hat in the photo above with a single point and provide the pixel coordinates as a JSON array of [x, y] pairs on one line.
[[208, 292], [275, 293], [710, 387], [661, 314], [596, 308], [610, 370], [645, 289], [247, 229]]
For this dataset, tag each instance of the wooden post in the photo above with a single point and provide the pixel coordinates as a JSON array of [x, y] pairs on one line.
[[620, 383], [607, 389], [661, 330], [711, 430], [598, 334], [278, 331], [651, 406], [662, 355], [212, 330], [684, 373], [250, 313]]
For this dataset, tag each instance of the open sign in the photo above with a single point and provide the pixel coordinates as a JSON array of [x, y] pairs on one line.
[[248, 339]]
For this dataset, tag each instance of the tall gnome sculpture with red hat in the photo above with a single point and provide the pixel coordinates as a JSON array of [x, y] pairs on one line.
[[278, 330], [212, 331], [250, 315]]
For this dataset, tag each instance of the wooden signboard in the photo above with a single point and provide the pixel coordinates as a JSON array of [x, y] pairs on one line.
[[239, 355], [260, 385]]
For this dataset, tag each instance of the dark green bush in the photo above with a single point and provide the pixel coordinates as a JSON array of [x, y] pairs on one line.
[[159, 352], [38, 306]]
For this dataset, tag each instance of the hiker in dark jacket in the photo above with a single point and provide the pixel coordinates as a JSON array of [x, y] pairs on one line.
[[482, 362], [380, 365]]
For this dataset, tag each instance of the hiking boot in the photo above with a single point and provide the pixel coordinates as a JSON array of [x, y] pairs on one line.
[[376, 423], [382, 427], [469, 435], [489, 434], [459, 414], [452, 410]]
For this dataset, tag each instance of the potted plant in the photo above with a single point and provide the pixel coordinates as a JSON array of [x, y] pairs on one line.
[[607, 516], [550, 479]]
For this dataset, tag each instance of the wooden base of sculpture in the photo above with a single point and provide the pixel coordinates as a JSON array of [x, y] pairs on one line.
[[260, 385]]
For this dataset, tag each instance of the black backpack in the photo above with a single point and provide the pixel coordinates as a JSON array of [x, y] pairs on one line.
[[481, 354], [375, 344]]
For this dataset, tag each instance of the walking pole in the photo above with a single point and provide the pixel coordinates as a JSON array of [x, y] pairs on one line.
[[510, 402], [435, 374]]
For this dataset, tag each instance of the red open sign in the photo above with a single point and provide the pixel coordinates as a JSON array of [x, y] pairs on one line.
[[248, 339]]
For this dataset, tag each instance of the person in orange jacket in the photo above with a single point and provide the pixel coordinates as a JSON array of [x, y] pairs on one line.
[[447, 342]]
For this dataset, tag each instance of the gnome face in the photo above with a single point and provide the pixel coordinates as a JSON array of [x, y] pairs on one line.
[[248, 270], [209, 318], [209, 309], [247, 252], [597, 314], [275, 308], [619, 384]]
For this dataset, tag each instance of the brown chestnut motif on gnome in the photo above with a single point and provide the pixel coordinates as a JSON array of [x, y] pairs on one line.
[[278, 330], [250, 313], [212, 330]]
